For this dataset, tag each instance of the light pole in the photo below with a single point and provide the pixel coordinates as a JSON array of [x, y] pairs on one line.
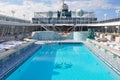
[[117, 12], [105, 16]]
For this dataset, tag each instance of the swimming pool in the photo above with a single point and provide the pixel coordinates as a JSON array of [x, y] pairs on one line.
[[63, 62]]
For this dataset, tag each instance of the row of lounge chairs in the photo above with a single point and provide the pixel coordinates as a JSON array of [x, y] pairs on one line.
[[10, 45], [109, 36], [110, 40], [113, 45]]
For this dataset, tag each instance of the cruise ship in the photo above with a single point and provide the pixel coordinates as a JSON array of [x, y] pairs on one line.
[[60, 45]]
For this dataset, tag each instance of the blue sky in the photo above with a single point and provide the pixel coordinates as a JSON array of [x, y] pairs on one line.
[[28, 7], [110, 11]]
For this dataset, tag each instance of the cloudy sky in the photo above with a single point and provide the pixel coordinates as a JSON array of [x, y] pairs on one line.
[[28, 7]]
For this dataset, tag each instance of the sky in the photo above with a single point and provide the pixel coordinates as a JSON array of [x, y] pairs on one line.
[[28, 7]]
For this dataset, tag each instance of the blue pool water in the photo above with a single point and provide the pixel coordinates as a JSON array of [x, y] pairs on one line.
[[63, 62]]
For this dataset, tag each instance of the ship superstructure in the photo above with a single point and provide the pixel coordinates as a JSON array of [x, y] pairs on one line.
[[64, 19]]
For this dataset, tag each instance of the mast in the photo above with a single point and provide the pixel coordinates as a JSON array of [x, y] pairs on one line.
[[62, 3]]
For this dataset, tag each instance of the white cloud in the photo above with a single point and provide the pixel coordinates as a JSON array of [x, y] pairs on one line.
[[29, 6], [90, 4]]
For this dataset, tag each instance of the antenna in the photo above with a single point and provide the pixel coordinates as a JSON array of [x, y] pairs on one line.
[[24, 16], [13, 12], [63, 1]]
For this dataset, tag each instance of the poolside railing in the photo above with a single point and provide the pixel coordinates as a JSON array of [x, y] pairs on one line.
[[106, 56]]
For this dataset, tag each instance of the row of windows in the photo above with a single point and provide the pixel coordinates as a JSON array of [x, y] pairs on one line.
[[73, 20], [108, 20], [62, 22], [64, 19]]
